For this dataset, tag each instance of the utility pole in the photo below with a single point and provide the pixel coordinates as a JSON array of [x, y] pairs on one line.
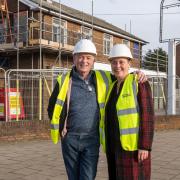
[[171, 106], [171, 78]]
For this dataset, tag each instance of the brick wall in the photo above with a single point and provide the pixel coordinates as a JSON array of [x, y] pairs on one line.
[[48, 27], [73, 29], [27, 130], [24, 130], [167, 122], [51, 59], [25, 60]]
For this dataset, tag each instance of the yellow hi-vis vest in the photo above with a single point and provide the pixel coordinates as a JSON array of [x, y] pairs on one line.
[[103, 80], [128, 113]]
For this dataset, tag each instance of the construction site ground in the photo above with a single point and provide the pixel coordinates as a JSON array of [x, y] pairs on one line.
[[41, 160]]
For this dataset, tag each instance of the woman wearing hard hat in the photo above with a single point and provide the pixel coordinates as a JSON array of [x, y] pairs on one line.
[[129, 121]]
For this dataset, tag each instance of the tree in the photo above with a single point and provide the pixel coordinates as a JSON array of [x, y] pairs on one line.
[[155, 60]]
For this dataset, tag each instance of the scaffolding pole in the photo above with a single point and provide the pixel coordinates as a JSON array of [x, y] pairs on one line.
[[17, 79], [60, 11], [40, 63], [92, 17]]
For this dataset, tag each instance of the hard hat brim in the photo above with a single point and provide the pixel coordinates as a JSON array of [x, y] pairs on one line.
[[94, 54], [128, 58]]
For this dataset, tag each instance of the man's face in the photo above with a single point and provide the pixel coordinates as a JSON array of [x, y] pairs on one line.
[[84, 62]]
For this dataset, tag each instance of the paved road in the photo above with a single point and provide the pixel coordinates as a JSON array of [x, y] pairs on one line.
[[41, 160]]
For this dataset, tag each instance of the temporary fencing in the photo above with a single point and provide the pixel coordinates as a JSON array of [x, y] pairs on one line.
[[24, 93], [28, 92]]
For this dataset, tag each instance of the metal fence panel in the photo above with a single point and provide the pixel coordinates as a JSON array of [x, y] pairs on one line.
[[160, 94], [28, 93]]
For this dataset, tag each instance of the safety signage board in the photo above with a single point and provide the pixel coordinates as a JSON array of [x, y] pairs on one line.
[[15, 103]]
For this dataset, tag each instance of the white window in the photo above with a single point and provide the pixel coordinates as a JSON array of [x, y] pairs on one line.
[[59, 31], [86, 32], [107, 43], [127, 42]]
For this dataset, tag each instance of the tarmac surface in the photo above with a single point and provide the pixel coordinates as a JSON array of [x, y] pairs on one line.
[[41, 160]]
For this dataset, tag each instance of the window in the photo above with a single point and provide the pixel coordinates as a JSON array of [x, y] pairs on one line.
[[2, 33], [23, 25], [57, 32], [127, 42], [86, 33], [136, 50], [107, 43]]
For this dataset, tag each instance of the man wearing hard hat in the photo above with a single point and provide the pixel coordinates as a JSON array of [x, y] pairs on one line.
[[76, 110]]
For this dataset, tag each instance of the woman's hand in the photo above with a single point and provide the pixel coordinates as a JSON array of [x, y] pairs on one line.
[[142, 155]]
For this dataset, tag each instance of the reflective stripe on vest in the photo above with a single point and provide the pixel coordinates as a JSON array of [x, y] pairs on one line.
[[101, 105], [54, 126], [129, 131], [128, 114], [60, 102], [63, 81]]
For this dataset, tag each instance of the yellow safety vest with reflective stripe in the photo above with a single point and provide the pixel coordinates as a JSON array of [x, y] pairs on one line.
[[128, 113], [63, 81], [103, 80]]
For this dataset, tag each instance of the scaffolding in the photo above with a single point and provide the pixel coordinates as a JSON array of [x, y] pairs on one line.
[[6, 21]]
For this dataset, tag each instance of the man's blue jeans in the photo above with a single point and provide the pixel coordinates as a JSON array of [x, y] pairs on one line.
[[80, 153]]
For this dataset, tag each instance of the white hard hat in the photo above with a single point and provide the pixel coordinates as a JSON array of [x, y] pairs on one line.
[[85, 46], [120, 50]]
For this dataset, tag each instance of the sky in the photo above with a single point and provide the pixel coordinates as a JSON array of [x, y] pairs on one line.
[[139, 17]]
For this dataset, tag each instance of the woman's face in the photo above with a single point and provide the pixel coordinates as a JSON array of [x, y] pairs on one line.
[[120, 67]]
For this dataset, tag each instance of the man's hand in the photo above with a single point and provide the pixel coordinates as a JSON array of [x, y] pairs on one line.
[[141, 76]]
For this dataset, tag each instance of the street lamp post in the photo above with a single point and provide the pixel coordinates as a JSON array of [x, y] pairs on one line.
[[171, 101]]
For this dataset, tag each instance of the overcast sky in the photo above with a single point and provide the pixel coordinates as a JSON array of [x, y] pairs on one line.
[[143, 15]]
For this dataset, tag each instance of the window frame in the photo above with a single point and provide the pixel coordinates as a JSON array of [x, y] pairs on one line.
[[84, 34], [63, 27], [106, 42]]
